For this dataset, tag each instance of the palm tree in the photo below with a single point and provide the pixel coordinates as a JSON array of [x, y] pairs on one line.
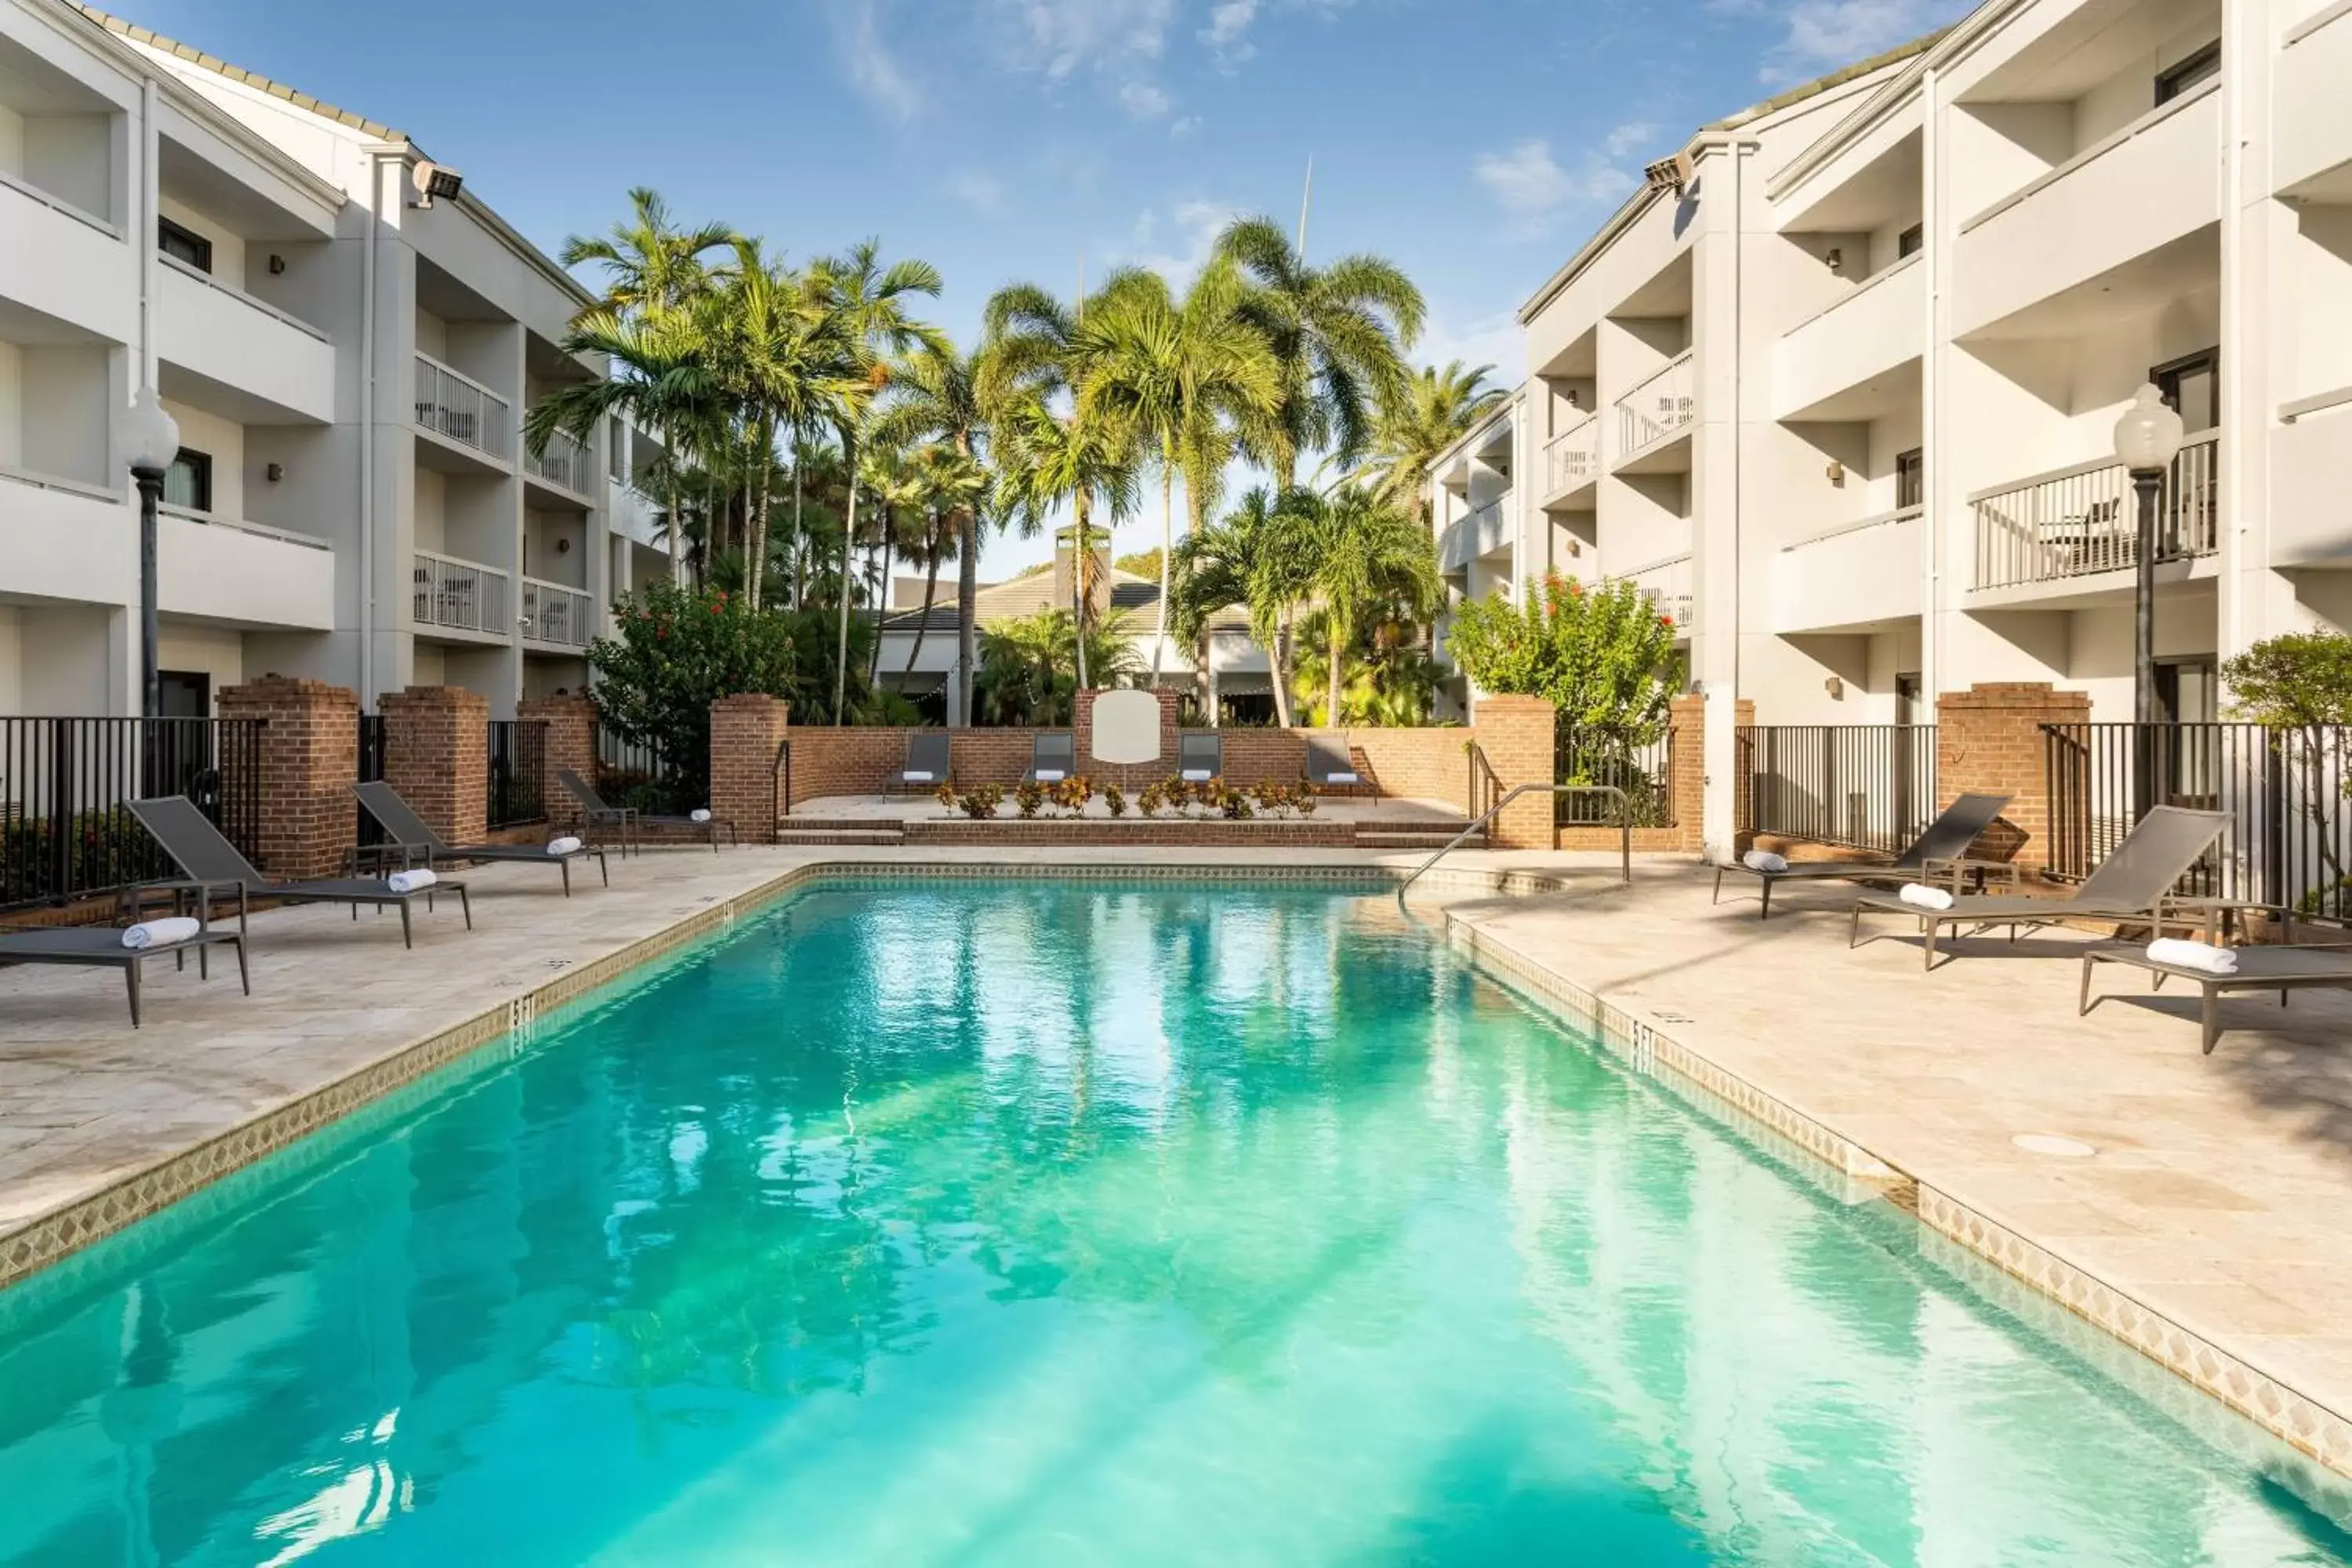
[[871, 301], [1338, 332], [1254, 558], [935, 396], [1436, 408], [954, 494], [1359, 557], [1170, 370]]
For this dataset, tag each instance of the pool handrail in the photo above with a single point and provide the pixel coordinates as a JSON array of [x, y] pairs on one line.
[[1624, 827]]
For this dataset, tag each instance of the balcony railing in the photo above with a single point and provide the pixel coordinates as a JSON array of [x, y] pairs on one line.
[[553, 613], [464, 595], [1572, 458], [1667, 585], [566, 463], [453, 405], [1479, 531], [1658, 407], [231, 292], [2073, 522]]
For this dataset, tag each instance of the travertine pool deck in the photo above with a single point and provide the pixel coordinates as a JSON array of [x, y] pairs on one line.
[[2218, 1200]]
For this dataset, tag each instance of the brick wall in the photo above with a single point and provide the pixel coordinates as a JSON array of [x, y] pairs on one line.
[[437, 741], [1416, 764], [1989, 741], [309, 759], [745, 730], [1516, 734], [568, 741]]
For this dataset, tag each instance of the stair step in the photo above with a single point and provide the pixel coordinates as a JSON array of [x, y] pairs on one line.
[[839, 836], [1402, 838]]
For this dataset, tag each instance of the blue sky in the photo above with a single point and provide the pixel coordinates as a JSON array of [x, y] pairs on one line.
[[1474, 142]]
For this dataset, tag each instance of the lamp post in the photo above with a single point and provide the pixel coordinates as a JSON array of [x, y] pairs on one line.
[[2147, 437], [148, 439]]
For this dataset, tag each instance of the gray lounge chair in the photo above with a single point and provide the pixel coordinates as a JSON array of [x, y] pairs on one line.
[[1330, 766], [102, 947], [1946, 838], [928, 764], [2279, 969], [213, 864], [629, 819], [1199, 757], [2130, 884], [1053, 756], [414, 838]]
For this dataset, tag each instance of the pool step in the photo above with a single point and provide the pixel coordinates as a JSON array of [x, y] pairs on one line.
[[840, 833], [1415, 837]]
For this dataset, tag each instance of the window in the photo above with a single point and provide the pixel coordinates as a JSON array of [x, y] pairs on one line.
[[2191, 386], [188, 482], [1908, 242], [2202, 66], [184, 243], [1910, 478]]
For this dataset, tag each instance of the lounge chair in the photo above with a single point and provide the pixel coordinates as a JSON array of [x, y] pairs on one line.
[[413, 838], [1053, 757], [2130, 884], [213, 865], [1330, 766], [102, 947], [928, 765], [1946, 838], [2279, 969], [629, 819], [1199, 757]]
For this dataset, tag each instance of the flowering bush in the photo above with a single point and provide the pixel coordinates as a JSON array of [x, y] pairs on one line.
[[674, 650], [980, 804], [1115, 801], [1028, 797], [1604, 656]]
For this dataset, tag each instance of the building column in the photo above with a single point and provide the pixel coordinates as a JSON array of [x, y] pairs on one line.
[[436, 753], [1715, 331], [745, 731], [308, 755]]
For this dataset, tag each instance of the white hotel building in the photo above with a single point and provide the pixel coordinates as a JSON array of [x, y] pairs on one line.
[[348, 365], [1845, 399]]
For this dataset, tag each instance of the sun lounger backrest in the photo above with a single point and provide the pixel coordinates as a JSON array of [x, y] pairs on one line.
[[1325, 757], [407, 828], [1201, 753], [189, 838], [2153, 856], [581, 790], [927, 752], [1054, 748], [1948, 836]]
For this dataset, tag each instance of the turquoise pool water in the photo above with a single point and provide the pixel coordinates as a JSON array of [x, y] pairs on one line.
[[1047, 1223]]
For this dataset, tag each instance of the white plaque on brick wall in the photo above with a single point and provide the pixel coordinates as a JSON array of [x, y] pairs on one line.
[[1127, 728]]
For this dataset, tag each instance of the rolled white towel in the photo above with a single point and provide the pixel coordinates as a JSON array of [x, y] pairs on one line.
[[699, 814], [1925, 897], [410, 882], [917, 775], [1764, 860], [160, 934], [1340, 778], [1196, 776], [1050, 775], [2186, 954], [566, 845]]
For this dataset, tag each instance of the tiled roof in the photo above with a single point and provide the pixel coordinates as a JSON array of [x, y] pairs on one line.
[[254, 80], [1021, 596]]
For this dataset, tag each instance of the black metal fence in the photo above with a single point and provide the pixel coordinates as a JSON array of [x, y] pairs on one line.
[[1644, 770], [518, 750], [2289, 838], [1872, 787], [629, 772], [65, 784]]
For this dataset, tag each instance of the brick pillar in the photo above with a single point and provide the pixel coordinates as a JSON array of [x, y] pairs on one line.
[[1134, 776], [1686, 721], [310, 758], [436, 753], [1516, 735], [569, 740], [745, 730], [1988, 739]]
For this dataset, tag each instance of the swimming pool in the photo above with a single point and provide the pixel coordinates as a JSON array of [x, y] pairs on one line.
[[1041, 1221]]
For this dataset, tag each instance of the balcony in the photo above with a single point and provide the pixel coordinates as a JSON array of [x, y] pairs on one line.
[[67, 263], [271, 364], [635, 516], [226, 569], [1856, 577], [2312, 159], [2120, 212], [455, 408], [1652, 415], [1571, 462], [552, 612], [2311, 473], [2079, 521], [1667, 584], [566, 464], [66, 539], [460, 595], [1842, 363], [1481, 532]]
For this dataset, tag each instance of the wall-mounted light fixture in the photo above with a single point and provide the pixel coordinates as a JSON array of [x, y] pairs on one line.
[[1836, 472], [434, 182], [1836, 258], [276, 471], [276, 264], [1669, 174], [1835, 687]]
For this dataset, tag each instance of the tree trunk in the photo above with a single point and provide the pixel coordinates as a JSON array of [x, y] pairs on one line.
[[676, 533], [756, 565], [930, 592], [1079, 583], [881, 603], [848, 532], [1277, 664], [800, 538], [967, 602], [1167, 557], [1331, 687]]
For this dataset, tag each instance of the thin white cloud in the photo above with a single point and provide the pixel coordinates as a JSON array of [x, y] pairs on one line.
[[1536, 190], [1178, 246], [1184, 127], [1820, 36], [1635, 136], [1143, 101], [1227, 31], [1062, 37], [1493, 340], [873, 70], [977, 191]]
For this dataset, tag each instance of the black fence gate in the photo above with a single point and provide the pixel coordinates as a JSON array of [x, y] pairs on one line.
[[629, 772], [66, 830], [1644, 770], [517, 753], [1872, 787]]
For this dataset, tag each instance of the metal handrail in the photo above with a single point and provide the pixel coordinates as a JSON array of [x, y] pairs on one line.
[[1624, 828], [781, 806]]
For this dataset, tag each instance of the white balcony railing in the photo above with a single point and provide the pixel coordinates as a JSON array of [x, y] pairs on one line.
[[1667, 585], [1658, 407], [566, 463], [453, 405], [230, 292], [1572, 458], [464, 595], [1479, 531], [553, 613], [2073, 522]]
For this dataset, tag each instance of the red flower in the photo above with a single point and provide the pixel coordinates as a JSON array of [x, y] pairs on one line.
[[1667, 621], [1576, 590]]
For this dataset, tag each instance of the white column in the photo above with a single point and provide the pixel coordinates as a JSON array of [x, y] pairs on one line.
[[1715, 481]]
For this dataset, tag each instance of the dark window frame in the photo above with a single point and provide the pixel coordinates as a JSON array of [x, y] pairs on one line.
[[2178, 78], [1911, 478], [2166, 378], [199, 468], [185, 244], [1911, 241]]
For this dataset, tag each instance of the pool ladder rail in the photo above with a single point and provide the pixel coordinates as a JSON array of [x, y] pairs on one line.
[[1611, 792]]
